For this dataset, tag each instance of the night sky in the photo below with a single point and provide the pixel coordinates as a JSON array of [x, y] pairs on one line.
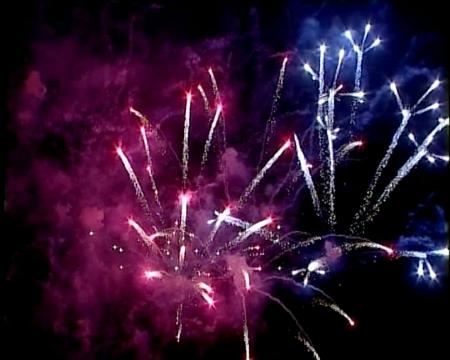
[[72, 69]]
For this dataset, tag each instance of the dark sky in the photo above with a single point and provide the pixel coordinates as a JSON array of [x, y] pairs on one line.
[[73, 42]]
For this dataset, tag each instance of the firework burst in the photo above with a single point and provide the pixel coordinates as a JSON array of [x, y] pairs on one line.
[[243, 251]]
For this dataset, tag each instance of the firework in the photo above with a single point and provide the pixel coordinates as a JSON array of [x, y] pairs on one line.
[[196, 258], [406, 116]]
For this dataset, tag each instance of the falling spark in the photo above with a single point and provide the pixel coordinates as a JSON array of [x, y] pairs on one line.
[[302, 336], [270, 124], [331, 181], [134, 180], [246, 276], [184, 199], [205, 99], [182, 255], [245, 329], [210, 135], [306, 173], [368, 244], [187, 117], [263, 172], [333, 306], [347, 148], [432, 273], [150, 167], [179, 323], [214, 85]]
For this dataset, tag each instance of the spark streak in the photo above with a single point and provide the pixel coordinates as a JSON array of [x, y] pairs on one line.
[[406, 115], [251, 230], [306, 173], [184, 199], [270, 124], [210, 135], [187, 117], [150, 167], [263, 172], [246, 276], [205, 99], [134, 180]]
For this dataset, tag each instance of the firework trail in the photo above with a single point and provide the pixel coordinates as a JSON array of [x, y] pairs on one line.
[[270, 124], [184, 200], [134, 180], [331, 163], [406, 116], [406, 168], [331, 185], [210, 136], [147, 239], [181, 256], [263, 172], [306, 173], [302, 336], [338, 67], [333, 306], [218, 100], [251, 230], [150, 168], [205, 100], [234, 221], [220, 218], [179, 323], [245, 329], [187, 117], [144, 120]]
